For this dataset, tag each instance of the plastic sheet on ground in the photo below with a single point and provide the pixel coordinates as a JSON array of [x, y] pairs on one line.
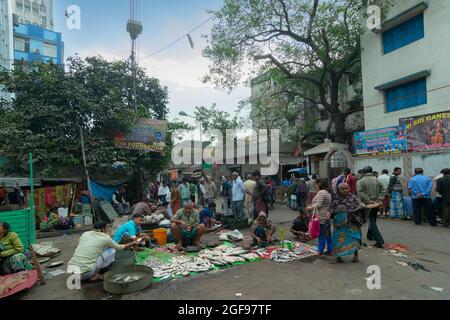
[[14, 283], [153, 257], [279, 254], [235, 235]]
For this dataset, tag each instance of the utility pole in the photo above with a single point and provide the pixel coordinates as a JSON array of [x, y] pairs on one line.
[[134, 28]]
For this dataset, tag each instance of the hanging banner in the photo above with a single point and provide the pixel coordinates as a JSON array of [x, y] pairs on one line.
[[431, 131], [147, 135], [384, 141]]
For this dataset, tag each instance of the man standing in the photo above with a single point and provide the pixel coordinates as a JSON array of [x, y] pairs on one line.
[[443, 187], [210, 191], [370, 191], [119, 202], [186, 227], [302, 194], [238, 194], [350, 179], [385, 179], [249, 185], [185, 191], [225, 193], [193, 191], [420, 188], [395, 190], [164, 194]]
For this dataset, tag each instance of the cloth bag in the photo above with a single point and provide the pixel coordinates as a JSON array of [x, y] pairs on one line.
[[314, 225]]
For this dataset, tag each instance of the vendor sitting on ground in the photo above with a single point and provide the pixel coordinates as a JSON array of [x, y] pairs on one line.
[[12, 258], [300, 227], [95, 251], [186, 227], [262, 231], [207, 215], [142, 208], [130, 231]]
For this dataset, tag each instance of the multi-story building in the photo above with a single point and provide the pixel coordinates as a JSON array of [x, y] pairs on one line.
[[6, 40], [406, 74], [6, 34], [303, 127], [34, 43], [37, 12]]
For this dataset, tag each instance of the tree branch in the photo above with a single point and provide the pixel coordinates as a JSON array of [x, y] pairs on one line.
[[288, 73]]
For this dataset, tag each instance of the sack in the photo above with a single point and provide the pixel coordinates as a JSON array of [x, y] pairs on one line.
[[314, 225]]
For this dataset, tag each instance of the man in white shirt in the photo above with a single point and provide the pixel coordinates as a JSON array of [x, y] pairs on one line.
[[95, 251], [164, 194], [238, 194]]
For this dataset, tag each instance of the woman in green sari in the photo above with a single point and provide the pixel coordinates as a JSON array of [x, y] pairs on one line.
[[12, 258], [349, 215]]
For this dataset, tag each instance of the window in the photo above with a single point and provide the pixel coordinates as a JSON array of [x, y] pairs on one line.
[[50, 50], [19, 5], [27, 5], [404, 34], [21, 44], [407, 95]]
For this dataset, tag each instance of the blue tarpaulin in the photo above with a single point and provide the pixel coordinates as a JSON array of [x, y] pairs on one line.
[[102, 191]]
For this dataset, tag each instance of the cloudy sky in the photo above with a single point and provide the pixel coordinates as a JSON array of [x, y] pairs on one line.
[[180, 68]]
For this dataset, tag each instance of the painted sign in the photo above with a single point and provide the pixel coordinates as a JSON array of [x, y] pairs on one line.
[[147, 135], [384, 141], [431, 131]]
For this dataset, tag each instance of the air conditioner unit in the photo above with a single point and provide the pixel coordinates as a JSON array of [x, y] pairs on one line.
[[37, 51]]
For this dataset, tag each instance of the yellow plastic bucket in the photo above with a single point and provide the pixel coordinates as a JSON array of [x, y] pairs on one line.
[[160, 235]]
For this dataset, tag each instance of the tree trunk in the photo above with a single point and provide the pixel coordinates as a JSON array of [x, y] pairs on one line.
[[339, 124]]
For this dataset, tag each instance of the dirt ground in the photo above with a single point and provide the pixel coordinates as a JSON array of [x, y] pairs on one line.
[[313, 278]]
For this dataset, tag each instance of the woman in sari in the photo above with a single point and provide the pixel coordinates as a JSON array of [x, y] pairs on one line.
[[12, 258], [349, 215]]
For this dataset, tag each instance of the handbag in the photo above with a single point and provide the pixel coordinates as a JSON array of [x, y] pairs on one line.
[[314, 225]]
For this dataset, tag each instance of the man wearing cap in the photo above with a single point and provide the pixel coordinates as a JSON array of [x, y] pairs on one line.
[[95, 251]]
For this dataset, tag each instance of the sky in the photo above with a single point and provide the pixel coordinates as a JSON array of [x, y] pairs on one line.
[[103, 32]]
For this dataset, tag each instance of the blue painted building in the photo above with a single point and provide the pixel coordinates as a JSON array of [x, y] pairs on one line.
[[34, 43]]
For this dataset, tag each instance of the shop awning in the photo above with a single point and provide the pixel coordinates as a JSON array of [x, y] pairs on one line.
[[325, 148], [22, 182]]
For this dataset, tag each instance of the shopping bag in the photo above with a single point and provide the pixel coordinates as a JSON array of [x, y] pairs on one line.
[[314, 225]]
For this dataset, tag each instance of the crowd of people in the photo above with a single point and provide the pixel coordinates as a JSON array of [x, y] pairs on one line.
[[351, 200]]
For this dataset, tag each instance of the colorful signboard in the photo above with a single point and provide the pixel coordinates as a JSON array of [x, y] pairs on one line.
[[384, 141], [147, 135], [431, 131]]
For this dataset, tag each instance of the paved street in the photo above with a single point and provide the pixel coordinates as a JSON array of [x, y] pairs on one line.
[[314, 278]]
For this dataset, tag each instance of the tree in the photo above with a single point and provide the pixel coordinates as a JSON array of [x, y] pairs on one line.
[[52, 104], [213, 118], [311, 45], [271, 110]]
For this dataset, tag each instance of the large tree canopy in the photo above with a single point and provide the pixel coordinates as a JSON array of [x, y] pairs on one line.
[[312, 44], [51, 104]]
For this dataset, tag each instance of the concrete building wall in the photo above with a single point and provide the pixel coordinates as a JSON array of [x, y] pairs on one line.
[[37, 12], [6, 35], [378, 164], [429, 53]]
